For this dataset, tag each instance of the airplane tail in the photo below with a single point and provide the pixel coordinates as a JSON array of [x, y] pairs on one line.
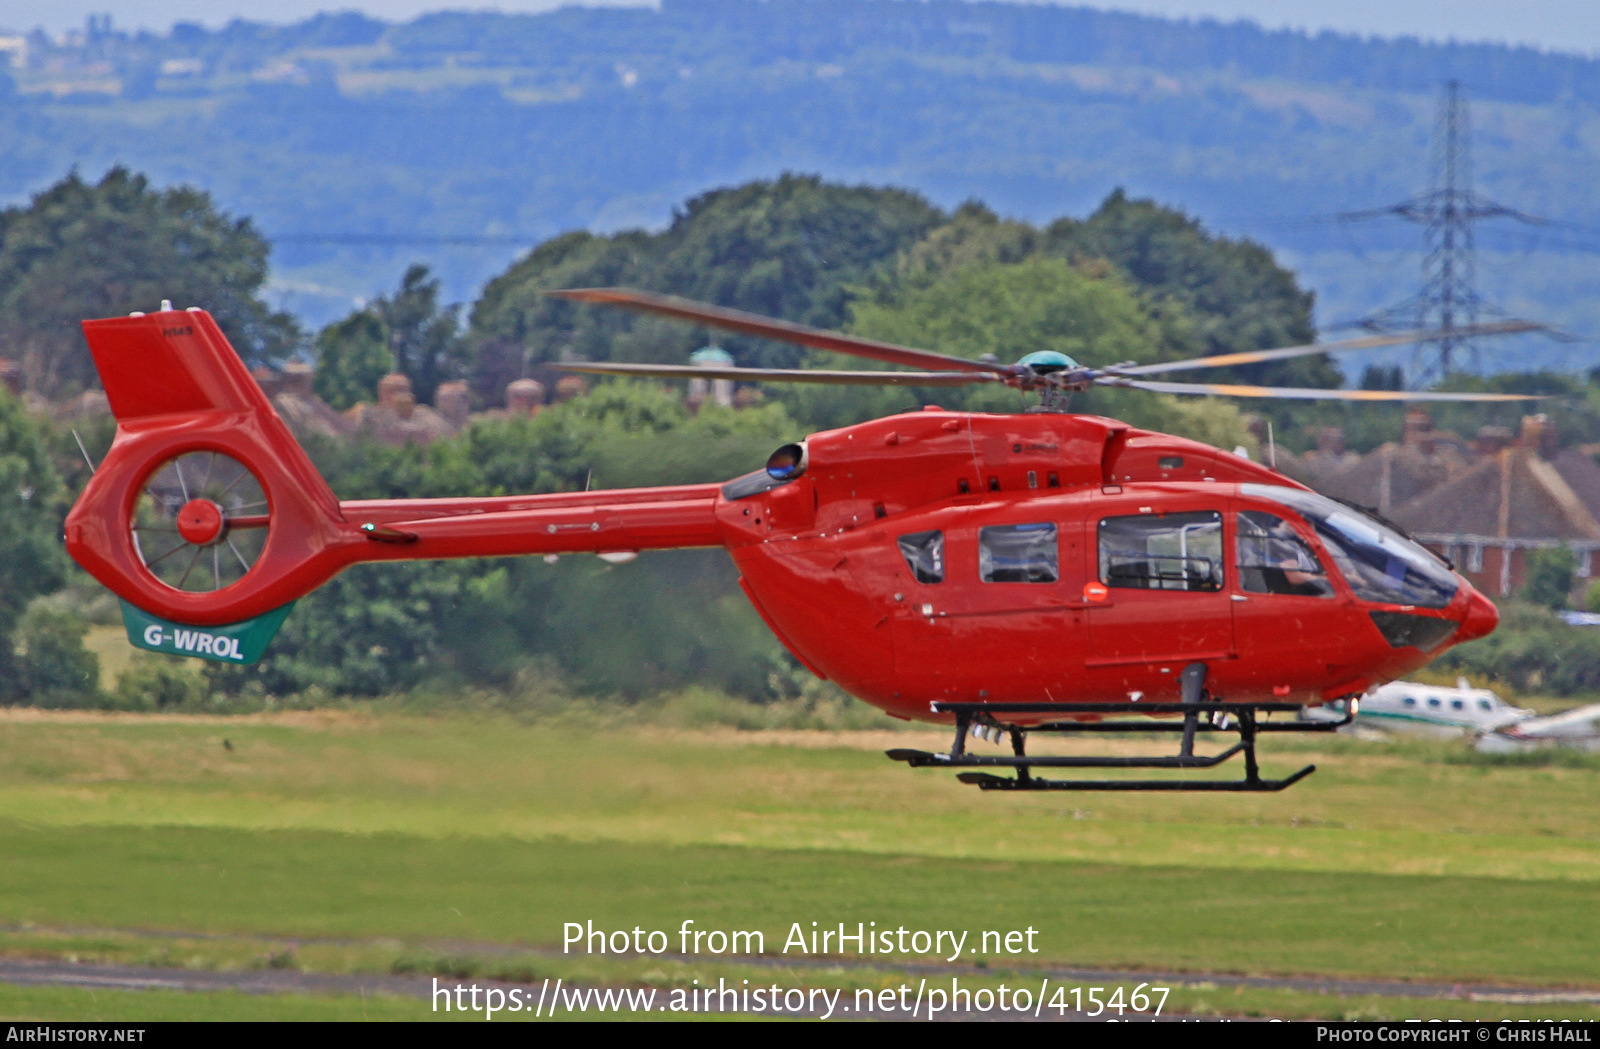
[[206, 513]]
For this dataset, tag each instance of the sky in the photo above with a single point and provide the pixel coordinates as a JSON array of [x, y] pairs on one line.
[[1556, 25]]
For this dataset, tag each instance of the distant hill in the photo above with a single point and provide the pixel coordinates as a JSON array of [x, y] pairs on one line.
[[347, 139]]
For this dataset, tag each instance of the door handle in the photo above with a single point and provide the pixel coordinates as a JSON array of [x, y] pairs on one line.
[[1238, 597]]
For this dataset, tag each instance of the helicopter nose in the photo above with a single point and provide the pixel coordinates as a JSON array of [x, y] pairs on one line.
[[1480, 619]]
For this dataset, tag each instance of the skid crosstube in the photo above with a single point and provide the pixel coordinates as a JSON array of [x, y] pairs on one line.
[[1199, 714]]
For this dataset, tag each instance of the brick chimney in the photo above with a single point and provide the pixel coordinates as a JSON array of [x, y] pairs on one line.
[[1419, 431], [295, 379], [1491, 439], [394, 393], [453, 402], [1538, 434], [524, 397], [570, 386], [271, 382]]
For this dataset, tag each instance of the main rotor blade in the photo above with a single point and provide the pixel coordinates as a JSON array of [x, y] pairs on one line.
[[768, 328], [1304, 394], [1366, 342], [833, 378]]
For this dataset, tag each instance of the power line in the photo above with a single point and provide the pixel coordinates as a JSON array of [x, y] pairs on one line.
[[406, 239]]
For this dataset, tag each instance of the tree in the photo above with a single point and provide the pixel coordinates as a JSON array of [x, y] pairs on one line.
[[53, 668], [1237, 294], [79, 251], [1009, 310], [424, 338], [789, 248], [160, 682], [1383, 377], [370, 630], [352, 355], [1549, 580], [1531, 650], [32, 561], [974, 235], [408, 332]]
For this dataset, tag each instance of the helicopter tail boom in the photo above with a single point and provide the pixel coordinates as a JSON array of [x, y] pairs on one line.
[[618, 521], [206, 512]]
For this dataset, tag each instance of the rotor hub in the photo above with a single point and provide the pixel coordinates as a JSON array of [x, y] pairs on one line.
[[201, 522]]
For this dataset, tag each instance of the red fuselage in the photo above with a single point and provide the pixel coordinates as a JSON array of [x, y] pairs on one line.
[[820, 557]]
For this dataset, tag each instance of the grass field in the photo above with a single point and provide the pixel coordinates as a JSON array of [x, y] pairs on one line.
[[348, 842]]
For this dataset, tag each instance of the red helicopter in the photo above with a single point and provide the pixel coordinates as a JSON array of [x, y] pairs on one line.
[[1009, 574]]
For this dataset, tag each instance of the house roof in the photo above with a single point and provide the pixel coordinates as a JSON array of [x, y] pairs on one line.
[[1392, 475], [1515, 493]]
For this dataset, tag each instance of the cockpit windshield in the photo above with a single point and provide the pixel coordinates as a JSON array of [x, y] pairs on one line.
[[1377, 562]]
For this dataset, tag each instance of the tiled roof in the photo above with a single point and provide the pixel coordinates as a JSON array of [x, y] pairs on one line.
[[1515, 494], [1391, 475]]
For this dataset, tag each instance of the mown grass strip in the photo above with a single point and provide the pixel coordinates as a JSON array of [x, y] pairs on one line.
[[319, 884], [1379, 809]]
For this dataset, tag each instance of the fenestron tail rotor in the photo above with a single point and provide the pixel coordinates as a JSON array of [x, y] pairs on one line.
[[200, 522], [1046, 372]]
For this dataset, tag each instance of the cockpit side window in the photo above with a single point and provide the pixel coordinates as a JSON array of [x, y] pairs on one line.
[[1379, 563], [1273, 559], [924, 554]]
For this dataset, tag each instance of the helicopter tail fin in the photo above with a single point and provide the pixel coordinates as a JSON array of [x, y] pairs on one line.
[[174, 362], [205, 512]]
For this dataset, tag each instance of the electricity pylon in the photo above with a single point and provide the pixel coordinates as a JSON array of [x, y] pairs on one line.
[[1449, 298]]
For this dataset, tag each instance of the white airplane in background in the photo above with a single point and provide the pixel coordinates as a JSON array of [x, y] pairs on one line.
[[1438, 709], [1500, 727], [1578, 728]]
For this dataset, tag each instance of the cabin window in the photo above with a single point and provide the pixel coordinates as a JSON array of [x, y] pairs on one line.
[[1024, 553], [1456, 704], [1162, 552], [1273, 559], [924, 554], [1433, 702], [1484, 704], [1411, 701]]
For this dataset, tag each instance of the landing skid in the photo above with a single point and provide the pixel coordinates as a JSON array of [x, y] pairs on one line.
[[1200, 715]]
